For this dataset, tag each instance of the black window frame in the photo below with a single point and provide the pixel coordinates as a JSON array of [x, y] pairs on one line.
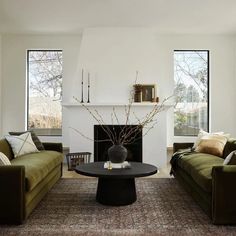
[[208, 86], [38, 133]]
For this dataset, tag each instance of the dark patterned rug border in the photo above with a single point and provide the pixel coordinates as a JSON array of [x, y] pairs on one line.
[[162, 208]]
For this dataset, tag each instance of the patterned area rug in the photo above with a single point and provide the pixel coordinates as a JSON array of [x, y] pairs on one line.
[[162, 208]]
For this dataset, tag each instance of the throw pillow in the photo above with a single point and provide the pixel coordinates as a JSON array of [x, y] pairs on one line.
[[212, 144], [4, 161], [21, 144], [201, 134], [34, 137], [230, 159]]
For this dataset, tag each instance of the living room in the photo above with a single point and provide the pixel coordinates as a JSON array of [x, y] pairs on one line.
[[107, 48]]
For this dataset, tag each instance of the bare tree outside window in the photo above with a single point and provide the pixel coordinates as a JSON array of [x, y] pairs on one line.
[[191, 72], [45, 91]]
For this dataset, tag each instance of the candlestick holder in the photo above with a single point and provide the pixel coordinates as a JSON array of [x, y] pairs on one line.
[[82, 87], [88, 101], [88, 94], [82, 95]]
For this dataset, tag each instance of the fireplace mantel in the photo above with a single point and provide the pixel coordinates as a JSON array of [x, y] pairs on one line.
[[134, 104], [77, 117]]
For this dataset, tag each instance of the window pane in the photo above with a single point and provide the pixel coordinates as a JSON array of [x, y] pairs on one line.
[[191, 92], [45, 92]]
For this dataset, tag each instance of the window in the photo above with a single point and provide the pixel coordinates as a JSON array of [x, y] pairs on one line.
[[191, 75], [44, 74]]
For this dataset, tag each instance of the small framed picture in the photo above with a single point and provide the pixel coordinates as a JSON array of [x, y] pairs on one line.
[[148, 92]]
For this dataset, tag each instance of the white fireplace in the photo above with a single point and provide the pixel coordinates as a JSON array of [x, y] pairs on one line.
[[77, 117]]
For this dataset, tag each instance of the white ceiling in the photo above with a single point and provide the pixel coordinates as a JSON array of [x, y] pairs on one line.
[[72, 16]]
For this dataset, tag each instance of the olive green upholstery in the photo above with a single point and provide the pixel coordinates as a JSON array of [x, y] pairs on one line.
[[37, 166], [209, 182], [199, 167], [27, 180], [6, 149]]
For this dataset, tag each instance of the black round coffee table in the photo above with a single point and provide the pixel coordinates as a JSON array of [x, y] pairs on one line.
[[116, 187]]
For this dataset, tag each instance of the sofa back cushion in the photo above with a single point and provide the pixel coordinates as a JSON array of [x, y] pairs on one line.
[[212, 144], [21, 144], [6, 149], [229, 147], [34, 137]]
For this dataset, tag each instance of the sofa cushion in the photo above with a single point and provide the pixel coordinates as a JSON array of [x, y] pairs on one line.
[[199, 167], [203, 133], [212, 144], [38, 165], [34, 137], [229, 147], [21, 144]]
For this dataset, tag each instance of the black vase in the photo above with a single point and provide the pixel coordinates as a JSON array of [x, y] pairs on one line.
[[117, 153]]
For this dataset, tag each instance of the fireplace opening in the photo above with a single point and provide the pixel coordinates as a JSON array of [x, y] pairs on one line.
[[135, 149]]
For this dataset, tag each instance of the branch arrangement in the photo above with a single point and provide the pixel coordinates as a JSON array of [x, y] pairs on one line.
[[129, 132]]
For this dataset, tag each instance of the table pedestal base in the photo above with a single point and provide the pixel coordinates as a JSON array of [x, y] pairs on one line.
[[116, 192]]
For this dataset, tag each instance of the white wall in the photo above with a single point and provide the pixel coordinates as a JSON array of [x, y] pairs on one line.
[[112, 56], [14, 73]]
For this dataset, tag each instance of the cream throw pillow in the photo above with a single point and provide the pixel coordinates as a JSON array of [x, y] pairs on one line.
[[212, 144], [21, 144], [4, 161], [203, 133]]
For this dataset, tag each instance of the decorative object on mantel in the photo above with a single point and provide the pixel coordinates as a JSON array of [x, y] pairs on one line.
[[137, 90], [128, 133], [88, 88], [144, 92], [148, 92], [137, 93], [82, 87]]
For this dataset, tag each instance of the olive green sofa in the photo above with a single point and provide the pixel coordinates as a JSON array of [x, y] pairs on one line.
[[209, 182], [26, 181]]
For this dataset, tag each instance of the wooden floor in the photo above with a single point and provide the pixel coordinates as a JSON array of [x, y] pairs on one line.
[[162, 173]]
